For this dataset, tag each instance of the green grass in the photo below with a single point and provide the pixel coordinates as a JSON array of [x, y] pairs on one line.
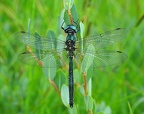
[[25, 89]]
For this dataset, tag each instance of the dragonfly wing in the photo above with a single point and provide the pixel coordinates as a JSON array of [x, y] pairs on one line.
[[39, 42], [104, 58], [45, 59], [43, 51], [102, 41]]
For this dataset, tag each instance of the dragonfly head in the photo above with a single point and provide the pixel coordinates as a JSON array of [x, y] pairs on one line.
[[70, 29]]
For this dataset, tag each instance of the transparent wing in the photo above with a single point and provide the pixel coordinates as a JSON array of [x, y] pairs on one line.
[[42, 51], [45, 59], [40, 42], [102, 41], [102, 58]]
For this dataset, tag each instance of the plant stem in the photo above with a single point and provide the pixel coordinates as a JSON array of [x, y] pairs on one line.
[[54, 85], [36, 59], [40, 64], [89, 112], [70, 16], [140, 21], [85, 82]]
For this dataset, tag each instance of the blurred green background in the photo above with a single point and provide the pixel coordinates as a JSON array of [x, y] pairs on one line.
[[25, 89]]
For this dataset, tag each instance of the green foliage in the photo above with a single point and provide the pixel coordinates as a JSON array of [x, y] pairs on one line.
[[87, 60], [73, 13], [24, 89], [89, 103], [102, 108], [65, 95], [68, 4], [49, 72], [81, 29], [73, 110], [60, 79]]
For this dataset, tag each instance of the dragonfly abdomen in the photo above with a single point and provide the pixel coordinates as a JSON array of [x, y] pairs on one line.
[[71, 82]]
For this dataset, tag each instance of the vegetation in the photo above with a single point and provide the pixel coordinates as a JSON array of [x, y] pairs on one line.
[[25, 89]]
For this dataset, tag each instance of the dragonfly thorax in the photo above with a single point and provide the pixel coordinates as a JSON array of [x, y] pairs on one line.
[[70, 47], [71, 37]]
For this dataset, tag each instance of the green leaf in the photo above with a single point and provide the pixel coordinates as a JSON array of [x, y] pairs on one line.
[[59, 44], [61, 20], [130, 108], [68, 4], [103, 108], [138, 102], [77, 76], [82, 90], [100, 113], [89, 103], [51, 35], [74, 16], [90, 72], [65, 95], [107, 110], [50, 60], [81, 29], [88, 58], [60, 78], [29, 23], [49, 72], [72, 110], [38, 45], [81, 34]]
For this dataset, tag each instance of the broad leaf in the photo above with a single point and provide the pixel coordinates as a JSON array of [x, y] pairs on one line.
[[29, 23], [59, 44], [60, 79], [72, 110], [77, 77], [74, 16], [68, 4], [103, 108], [88, 58], [100, 113], [82, 90], [89, 103], [65, 95], [51, 36], [81, 29], [81, 34], [49, 72]]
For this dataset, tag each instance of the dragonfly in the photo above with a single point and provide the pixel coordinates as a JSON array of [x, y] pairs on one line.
[[51, 52]]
